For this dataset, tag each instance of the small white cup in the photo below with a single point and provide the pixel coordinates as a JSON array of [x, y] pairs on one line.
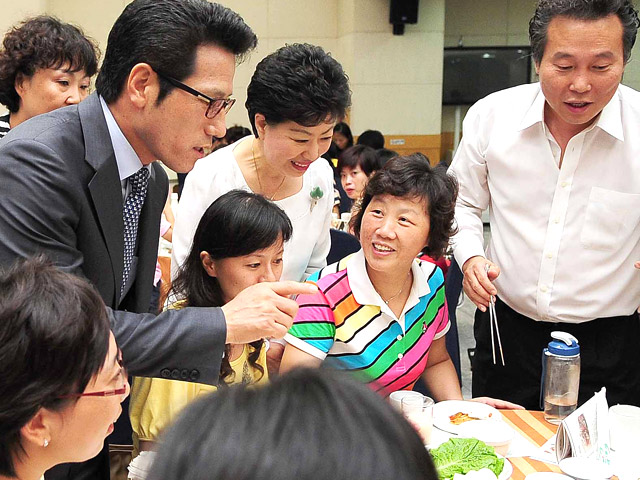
[[624, 432], [419, 413], [396, 398]]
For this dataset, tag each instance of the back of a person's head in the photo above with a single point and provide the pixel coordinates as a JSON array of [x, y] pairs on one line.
[[308, 424], [235, 133], [42, 42], [299, 83], [384, 155], [372, 138], [166, 35], [359, 156], [54, 337]]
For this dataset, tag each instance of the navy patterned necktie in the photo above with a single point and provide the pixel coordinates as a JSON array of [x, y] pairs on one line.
[[131, 214]]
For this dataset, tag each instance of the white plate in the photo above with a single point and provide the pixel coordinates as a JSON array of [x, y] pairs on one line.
[[443, 410], [507, 470], [585, 468], [547, 476]]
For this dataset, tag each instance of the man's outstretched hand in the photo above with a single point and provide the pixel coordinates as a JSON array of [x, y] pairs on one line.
[[263, 310]]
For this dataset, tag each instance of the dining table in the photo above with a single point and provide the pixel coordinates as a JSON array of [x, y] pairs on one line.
[[533, 427]]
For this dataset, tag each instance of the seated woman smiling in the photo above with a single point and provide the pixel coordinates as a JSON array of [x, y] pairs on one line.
[[381, 313], [62, 375]]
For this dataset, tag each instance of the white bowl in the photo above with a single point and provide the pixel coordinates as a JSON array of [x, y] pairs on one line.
[[494, 433], [396, 397]]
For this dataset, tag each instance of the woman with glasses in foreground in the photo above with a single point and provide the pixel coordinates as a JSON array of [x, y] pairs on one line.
[[62, 375]]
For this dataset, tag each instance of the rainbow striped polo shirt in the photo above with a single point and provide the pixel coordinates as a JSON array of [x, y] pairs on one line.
[[348, 326]]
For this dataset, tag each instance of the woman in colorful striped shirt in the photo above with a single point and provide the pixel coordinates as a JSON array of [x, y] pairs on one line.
[[381, 313]]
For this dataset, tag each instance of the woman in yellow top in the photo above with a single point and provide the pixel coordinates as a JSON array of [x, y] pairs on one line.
[[239, 242]]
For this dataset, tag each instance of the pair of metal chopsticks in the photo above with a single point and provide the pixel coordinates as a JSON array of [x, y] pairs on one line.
[[493, 324]]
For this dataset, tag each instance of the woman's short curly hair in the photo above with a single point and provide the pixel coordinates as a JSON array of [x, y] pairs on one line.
[[300, 83], [413, 177], [42, 42]]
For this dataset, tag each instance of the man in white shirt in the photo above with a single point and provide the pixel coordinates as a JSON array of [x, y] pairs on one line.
[[557, 164]]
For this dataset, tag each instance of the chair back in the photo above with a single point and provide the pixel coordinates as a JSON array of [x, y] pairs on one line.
[[342, 244]]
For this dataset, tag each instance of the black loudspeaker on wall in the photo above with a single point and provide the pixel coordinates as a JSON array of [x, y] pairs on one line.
[[401, 12]]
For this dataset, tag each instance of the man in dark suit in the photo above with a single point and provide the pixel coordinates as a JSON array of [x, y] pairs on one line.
[[80, 184]]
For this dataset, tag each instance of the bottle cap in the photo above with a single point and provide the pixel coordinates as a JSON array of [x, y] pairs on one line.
[[564, 344]]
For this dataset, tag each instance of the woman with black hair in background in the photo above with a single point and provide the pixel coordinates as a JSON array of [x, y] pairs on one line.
[[239, 242], [45, 64], [342, 137]]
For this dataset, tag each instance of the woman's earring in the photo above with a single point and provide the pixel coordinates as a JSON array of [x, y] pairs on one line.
[[45, 443]]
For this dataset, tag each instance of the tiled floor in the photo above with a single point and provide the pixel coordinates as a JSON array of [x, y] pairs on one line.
[[464, 315]]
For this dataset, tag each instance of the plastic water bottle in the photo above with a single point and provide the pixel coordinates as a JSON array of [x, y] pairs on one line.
[[560, 376]]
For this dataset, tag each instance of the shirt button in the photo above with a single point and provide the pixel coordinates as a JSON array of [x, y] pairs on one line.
[[549, 255], [400, 356], [556, 220], [399, 337], [564, 184], [543, 288]]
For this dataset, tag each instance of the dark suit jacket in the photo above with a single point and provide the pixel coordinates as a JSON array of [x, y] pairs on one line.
[[60, 193]]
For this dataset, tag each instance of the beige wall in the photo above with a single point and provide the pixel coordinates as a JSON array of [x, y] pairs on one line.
[[396, 80]]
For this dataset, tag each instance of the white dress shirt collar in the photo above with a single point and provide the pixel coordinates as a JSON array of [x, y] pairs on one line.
[[365, 294], [609, 120], [126, 157]]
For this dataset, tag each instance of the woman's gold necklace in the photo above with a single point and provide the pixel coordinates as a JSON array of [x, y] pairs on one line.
[[255, 165], [399, 291]]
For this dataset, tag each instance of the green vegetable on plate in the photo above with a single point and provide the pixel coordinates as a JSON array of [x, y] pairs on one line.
[[462, 455]]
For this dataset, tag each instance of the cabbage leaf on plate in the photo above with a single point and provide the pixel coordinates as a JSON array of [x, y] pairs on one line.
[[462, 455]]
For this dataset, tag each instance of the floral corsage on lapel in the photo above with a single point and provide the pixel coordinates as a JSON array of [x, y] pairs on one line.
[[316, 194]]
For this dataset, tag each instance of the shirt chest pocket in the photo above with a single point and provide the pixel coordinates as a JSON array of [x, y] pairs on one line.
[[609, 219]]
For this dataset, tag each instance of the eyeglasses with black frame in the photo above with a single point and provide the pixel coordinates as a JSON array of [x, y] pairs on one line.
[[122, 380], [216, 105]]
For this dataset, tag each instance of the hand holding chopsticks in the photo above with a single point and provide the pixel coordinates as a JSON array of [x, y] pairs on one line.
[[493, 325]]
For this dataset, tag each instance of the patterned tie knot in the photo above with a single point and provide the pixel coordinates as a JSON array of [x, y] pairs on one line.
[[139, 181]]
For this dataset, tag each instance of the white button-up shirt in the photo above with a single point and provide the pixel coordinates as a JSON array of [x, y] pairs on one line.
[[565, 238]]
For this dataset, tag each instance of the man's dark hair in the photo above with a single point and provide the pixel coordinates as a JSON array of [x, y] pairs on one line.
[[384, 155], [299, 83], [42, 42], [372, 138], [54, 337], [166, 35], [316, 424], [547, 10], [413, 177], [359, 156]]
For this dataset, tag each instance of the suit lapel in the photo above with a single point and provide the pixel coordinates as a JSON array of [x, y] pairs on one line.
[[105, 187]]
